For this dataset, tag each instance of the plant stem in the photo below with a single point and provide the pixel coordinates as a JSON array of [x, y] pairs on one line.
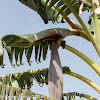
[[84, 79], [72, 23], [96, 28], [85, 58], [97, 47], [60, 40]]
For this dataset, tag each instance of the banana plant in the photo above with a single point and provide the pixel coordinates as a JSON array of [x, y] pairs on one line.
[[25, 82], [52, 39]]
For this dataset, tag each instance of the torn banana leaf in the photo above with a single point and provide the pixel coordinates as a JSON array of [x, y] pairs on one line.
[[73, 95], [40, 7], [50, 10], [15, 45], [28, 53], [28, 40], [13, 93], [25, 78]]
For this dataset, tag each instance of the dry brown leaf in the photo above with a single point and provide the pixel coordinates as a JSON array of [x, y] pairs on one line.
[[81, 6], [97, 9]]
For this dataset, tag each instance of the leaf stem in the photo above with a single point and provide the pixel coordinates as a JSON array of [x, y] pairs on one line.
[[83, 25], [97, 28], [85, 58], [82, 78]]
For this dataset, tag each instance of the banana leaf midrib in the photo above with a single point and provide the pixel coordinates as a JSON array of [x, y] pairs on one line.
[[52, 37], [11, 40]]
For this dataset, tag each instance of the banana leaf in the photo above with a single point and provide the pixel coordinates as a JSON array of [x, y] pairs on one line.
[[15, 45], [50, 10]]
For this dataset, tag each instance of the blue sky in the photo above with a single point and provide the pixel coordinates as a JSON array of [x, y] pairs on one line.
[[15, 18]]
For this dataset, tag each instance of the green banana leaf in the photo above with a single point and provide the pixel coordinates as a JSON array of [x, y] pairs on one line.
[[15, 45], [25, 78], [13, 93], [72, 95], [28, 40], [40, 7], [25, 81], [54, 9]]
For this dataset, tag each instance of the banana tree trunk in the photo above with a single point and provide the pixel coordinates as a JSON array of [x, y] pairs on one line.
[[55, 78]]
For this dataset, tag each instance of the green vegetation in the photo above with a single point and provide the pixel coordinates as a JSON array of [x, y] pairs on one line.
[[16, 45]]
